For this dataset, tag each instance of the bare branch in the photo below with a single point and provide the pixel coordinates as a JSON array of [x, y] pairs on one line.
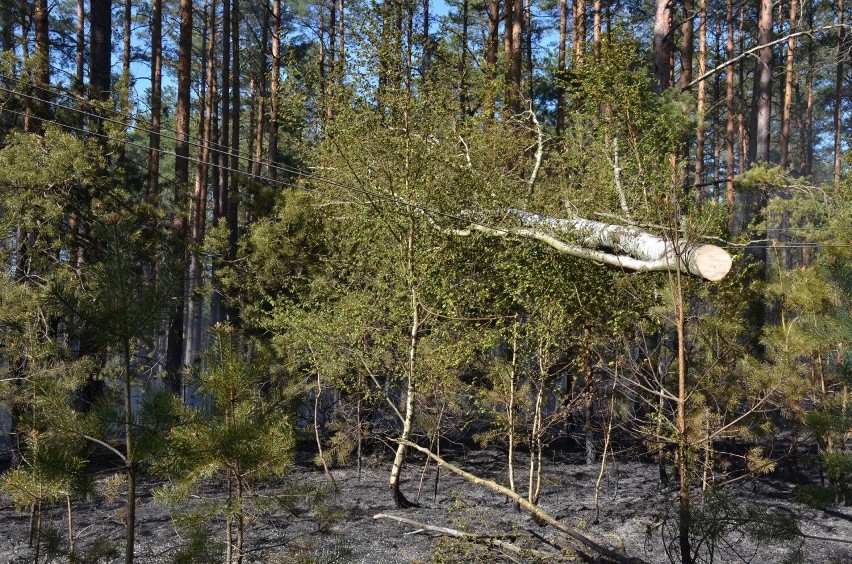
[[539, 153], [535, 511], [485, 539], [754, 49]]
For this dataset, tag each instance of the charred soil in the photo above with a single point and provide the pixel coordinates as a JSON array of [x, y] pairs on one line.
[[307, 518]]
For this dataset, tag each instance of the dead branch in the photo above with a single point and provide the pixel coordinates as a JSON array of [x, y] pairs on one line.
[[536, 512], [473, 537]]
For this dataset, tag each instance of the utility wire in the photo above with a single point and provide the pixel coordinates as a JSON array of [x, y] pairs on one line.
[[358, 190], [131, 120], [308, 175]]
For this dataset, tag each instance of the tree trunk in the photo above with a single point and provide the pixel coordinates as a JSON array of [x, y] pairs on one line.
[[687, 42], [838, 96], [272, 149], [579, 35], [637, 250], [596, 32], [175, 347], [199, 201], [701, 99], [528, 31], [260, 95], [156, 101], [125, 60], [808, 146], [220, 207], [341, 38], [508, 19], [463, 93], [80, 46], [729, 106], [100, 47], [759, 131], [789, 79], [330, 79], [42, 63], [7, 27], [234, 195], [662, 45], [399, 459], [516, 57], [560, 66], [493, 35], [741, 127]]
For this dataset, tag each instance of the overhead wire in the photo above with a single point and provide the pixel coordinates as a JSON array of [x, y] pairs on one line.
[[228, 152], [130, 121], [359, 190]]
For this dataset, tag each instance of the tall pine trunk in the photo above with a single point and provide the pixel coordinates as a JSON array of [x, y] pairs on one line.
[[156, 101], [42, 63], [579, 36], [332, 65], [700, 99], [275, 79], [758, 150], [838, 96], [687, 42], [493, 35], [100, 47], [808, 146], [175, 346], [233, 195], [125, 60], [662, 45], [220, 204], [80, 44], [729, 106], [560, 66], [596, 32], [789, 79], [463, 93], [194, 321]]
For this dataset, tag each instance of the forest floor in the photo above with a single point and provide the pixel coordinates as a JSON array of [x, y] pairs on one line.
[[341, 527]]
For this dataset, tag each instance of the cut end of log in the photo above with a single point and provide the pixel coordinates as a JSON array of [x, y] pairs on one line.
[[712, 262]]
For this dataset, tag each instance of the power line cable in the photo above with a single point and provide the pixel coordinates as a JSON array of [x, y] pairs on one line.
[[130, 123], [362, 191], [216, 147], [228, 153]]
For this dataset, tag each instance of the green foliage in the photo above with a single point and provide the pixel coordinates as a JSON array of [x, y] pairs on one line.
[[200, 546], [724, 529], [245, 435], [50, 470], [119, 302]]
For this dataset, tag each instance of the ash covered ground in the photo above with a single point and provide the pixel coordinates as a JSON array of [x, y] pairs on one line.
[[337, 524]]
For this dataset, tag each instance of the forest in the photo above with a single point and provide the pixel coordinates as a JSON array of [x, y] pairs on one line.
[[403, 280]]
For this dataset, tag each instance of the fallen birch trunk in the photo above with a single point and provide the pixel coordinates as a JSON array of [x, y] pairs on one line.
[[620, 246]]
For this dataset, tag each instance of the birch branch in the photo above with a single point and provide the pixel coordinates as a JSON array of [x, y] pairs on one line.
[[539, 154], [616, 170]]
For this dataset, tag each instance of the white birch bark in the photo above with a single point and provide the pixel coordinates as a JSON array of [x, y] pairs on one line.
[[629, 248]]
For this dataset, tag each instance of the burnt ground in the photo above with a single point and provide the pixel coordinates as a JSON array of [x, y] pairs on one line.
[[290, 526]]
